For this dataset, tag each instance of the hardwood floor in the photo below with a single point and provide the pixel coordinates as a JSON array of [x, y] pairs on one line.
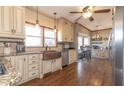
[[96, 72]]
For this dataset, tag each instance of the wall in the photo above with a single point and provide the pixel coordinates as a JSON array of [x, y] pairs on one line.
[[44, 20], [80, 29]]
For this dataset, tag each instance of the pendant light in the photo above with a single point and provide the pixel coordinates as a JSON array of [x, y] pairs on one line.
[[37, 21], [55, 21]]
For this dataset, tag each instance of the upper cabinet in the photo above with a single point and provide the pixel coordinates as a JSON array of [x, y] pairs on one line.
[[65, 31], [12, 21]]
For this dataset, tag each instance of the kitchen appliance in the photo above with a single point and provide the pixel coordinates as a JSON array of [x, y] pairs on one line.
[[20, 47], [117, 57], [65, 57]]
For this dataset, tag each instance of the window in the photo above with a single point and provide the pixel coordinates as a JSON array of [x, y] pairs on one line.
[[49, 37], [33, 36], [80, 41], [86, 41]]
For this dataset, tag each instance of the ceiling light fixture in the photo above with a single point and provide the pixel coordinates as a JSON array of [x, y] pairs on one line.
[[55, 28], [37, 21], [88, 13]]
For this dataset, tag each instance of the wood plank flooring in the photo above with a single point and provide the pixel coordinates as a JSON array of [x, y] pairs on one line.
[[96, 72]]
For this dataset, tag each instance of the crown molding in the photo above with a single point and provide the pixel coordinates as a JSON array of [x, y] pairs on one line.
[[93, 30]]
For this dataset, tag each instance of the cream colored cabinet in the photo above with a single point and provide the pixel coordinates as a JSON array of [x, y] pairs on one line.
[[19, 21], [57, 64], [47, 66], [6, 20], [52, 65], [12, 22], [0, 19], [33, 66], [71, 32], [22, 64], [65, 31], [72, 56]]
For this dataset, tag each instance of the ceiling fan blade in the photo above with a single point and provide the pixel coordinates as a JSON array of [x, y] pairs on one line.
[[91, 18], [78, 18], [102, 11], [75, 12], [85, 8]]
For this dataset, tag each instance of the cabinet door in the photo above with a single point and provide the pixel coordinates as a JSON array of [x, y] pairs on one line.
[[53, 65], [6, 19], [47, 66], [58, 63], [65, 31], [19, 21], [71, 33], [21, 62], [0, 19], [72, 56]]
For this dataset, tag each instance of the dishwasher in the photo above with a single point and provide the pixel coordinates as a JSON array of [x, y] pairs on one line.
[[65, 57]]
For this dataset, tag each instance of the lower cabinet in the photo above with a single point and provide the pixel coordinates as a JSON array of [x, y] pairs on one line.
[[72, 56], [47, 66], [27, 65], [52, 65], [56, 64], [21, 67], [32, 66]]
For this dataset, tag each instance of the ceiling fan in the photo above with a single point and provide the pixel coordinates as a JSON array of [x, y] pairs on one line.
[[88, 11]]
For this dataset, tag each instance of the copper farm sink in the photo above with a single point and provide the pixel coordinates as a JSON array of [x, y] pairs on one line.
[[47, 55]]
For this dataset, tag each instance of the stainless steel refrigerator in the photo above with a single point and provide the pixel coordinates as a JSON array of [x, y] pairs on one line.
[[117, 51]]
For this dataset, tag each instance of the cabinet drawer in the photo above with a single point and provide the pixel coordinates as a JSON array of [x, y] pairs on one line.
[[32, 61], [33, 74], [33, 67], [33, 57]]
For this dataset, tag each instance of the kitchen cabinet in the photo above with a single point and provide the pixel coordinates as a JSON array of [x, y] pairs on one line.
[[12, 21], [65, 31], [57, 64], [72, 56], [29, 66], [52, 65], [33, 66], [19, 21], [21, 65], [47, 66]]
